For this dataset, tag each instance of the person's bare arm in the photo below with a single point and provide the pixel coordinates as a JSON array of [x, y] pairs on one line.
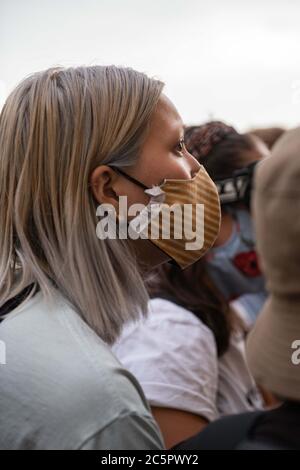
[[177, 425]]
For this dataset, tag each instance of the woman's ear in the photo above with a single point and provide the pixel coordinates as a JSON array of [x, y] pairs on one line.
[[103, 182]]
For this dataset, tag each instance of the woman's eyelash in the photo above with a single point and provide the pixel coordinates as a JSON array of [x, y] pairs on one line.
[[180, 146]]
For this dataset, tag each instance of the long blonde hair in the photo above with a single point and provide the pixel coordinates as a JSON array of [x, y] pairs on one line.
[[55, 128]]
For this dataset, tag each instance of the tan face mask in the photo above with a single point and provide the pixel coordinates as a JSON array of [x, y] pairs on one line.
[[182, 217]]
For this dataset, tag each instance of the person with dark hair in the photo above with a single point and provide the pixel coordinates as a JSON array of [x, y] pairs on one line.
[[221, 149], [188, 354], [230, 159], [273, 345]]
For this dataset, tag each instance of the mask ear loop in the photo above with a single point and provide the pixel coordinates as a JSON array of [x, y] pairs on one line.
[[133, 180], [130, 178]]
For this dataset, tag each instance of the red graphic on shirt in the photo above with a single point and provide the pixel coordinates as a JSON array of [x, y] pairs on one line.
[[247, 263]]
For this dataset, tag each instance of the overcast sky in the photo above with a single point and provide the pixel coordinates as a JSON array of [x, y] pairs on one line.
[[235, 60]]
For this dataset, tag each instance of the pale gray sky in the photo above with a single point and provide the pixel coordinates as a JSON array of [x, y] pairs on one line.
[[227, 59]]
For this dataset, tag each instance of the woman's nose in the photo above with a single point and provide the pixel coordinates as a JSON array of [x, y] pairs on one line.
[[193, 164]]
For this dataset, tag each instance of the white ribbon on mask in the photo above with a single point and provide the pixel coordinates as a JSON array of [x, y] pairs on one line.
[[151, 211]]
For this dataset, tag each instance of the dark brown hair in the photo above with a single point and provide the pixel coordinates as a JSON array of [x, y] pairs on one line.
[[219, 147], [193, 289]]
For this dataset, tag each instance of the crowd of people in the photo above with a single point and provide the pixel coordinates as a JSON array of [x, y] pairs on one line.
[[138, 342]]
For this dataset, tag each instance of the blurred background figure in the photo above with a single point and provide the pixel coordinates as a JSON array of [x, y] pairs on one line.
[[273, 346], [232, 263]]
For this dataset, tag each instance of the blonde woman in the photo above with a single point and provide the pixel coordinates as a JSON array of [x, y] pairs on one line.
[[72, 139]]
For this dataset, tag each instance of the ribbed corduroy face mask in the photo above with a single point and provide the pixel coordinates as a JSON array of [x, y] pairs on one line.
[[182, 217]]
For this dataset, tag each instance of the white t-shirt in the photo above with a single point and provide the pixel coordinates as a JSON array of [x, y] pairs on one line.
[[174, 357]]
